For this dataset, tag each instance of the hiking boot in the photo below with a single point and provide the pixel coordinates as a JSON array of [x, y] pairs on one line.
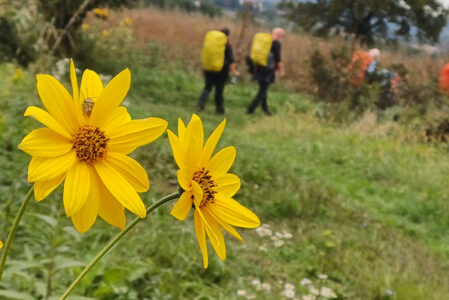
[[268, 112]]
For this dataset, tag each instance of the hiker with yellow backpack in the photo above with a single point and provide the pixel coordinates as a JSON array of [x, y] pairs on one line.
[[218, 61], [265, 61]]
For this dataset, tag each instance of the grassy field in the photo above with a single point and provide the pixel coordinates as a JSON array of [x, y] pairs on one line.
[[368, 211], [358, 211]]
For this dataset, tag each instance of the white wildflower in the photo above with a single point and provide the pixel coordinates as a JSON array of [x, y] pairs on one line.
[[263, 248], [314, 291], [256, 282], [305, 281], [264, 287], [308, 297], [279, 243], [289, 294], [289, 286], [241, 293], [322, 276], [279, 234], [250, 297], [287, 235], [327, 293]]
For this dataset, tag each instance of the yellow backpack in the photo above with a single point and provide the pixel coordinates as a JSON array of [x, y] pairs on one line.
[[260, 49], [213, 54]]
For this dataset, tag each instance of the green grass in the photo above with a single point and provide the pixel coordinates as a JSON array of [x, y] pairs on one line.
[[370, 212]]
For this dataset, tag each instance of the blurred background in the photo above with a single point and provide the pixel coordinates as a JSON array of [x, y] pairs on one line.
[[351, 190]]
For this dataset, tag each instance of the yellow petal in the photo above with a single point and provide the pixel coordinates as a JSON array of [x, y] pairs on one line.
[[46, 119], [222, 161], [184, 179], [195, 128], [118, 117], [91, 85], [110, 209], [192, 153], [226, 226], [57, 101], [77, 187], [135, 134], [43, 188], [182, 207], [176, 146], [181, 129], [228, 184], [1, 244], [212, 143], [201, 236], [85, 218], [209, 230], [130, 169], [45, 142], [111, 97], [232, 212], [46, 168], [197, 192], [219, 243], [120, 188], [76, 93]]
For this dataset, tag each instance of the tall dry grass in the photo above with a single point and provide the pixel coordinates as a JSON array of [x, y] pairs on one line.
[[181, 36]]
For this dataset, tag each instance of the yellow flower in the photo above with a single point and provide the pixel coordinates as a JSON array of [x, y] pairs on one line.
[[101, 12], [105, 32], [128, 21], [208, 186], [86, 143], [1, 244], [85, 26], [18, 74]]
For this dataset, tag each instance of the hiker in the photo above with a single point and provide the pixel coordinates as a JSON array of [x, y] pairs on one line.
[[265, 61], [444, 79], [389, 81], [218, 61], [363, 66]]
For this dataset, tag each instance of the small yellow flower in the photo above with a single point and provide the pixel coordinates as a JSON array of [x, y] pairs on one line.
[[86, 144], [208, 186], [85, 26], [1, 244], [18, 74], [101, 12], [105, 32], [128, 21]]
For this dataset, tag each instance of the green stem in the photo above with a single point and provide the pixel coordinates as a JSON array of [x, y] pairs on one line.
[[115, 241], [13, 230]]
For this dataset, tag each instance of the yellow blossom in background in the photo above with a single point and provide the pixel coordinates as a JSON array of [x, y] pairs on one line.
[[101, 12], [1, 244], [208, 186], [105, 32], [18, 74], [86, 143], [128, 21], [85, 26]]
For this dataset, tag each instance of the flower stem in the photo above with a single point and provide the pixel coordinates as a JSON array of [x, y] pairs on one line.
[[115, 241], [13, 230]]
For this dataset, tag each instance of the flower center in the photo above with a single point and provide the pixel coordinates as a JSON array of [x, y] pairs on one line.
[[204, 179], [89, 144]]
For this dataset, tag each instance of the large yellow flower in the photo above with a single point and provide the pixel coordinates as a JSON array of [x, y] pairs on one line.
[[208, 186], [85, 143]]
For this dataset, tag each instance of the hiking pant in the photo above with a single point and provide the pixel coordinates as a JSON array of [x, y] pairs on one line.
[[261, 97], [217, 80]]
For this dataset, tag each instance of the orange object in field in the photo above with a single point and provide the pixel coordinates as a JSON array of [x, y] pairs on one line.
[[359, 64], [444, 79]]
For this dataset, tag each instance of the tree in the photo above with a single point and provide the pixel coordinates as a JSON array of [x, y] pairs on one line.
[[370, 19]]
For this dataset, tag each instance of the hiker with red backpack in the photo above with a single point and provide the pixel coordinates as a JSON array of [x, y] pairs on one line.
[[218, 61], [265, 61]]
